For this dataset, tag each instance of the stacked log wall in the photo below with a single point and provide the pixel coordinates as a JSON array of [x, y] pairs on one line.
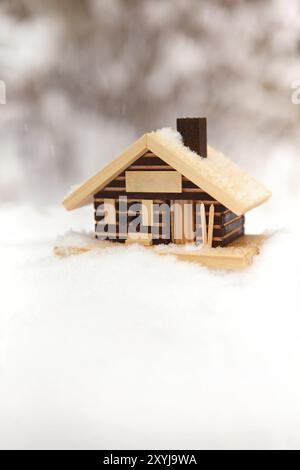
[[227, 225]]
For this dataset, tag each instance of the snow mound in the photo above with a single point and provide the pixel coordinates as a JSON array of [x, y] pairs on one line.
[[131, 347]]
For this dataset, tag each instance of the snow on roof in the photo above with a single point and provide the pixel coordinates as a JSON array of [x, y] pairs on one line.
[[216, 174]]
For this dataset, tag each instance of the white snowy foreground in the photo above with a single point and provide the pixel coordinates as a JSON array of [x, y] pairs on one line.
[[132, 350]]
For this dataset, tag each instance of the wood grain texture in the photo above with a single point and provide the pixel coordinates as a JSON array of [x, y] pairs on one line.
[[188, 222], [177, 230], [153, 182], [141, 238], [210, 229], [228, 258], [147, 212], [223, 242], [203, 224]]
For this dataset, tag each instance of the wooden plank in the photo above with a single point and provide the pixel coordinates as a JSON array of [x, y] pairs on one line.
[[63, 251], [140, 238], [252, 239], [149, 154], [177, 209], [188, 221], [162, 195], [153, 182], [148, 167], [218, 233], [196, 190], [161, 229], [110, 211], [150, 161], [203, 224], [85, 191], [215, 259], [111, 189], [147, 212], [227, 216], [188, 184], [232, 225], [210, 225], [232, 220], [172, 221], [236, 230], [116, 183], [223, 242], [221, 230]]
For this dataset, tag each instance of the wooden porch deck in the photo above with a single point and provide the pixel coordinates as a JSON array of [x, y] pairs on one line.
[[238, 255]]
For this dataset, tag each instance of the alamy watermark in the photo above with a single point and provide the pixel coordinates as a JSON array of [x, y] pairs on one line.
[[295, 97], [175, 220], [2, 92]]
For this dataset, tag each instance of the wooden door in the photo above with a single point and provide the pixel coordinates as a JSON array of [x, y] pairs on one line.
[[183, 222]]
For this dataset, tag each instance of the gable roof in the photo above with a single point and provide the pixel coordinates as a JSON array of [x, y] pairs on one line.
[[216, 174]]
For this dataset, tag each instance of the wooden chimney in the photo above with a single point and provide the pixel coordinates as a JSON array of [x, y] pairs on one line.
[[194, 134]]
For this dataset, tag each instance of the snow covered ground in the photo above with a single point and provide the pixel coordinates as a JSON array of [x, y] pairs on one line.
[[132, 350]]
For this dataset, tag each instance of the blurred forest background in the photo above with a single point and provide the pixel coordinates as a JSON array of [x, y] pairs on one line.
[[86, 77]]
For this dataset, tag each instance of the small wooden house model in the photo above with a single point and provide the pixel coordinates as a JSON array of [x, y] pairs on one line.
[[177, 188]]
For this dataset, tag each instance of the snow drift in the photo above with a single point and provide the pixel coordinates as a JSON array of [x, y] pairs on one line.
[[131, 350]]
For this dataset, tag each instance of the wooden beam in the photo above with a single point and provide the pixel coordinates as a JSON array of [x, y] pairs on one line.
[[141, 238], [85, 191], [110, 211], [199, 197], [210, 225], [188, 221], [225, 258], [153, 181], [147, 212], [150, 167], [177, 220], [203, 224]]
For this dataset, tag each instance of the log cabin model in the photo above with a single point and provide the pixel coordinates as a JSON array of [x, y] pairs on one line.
[[171, 188]]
